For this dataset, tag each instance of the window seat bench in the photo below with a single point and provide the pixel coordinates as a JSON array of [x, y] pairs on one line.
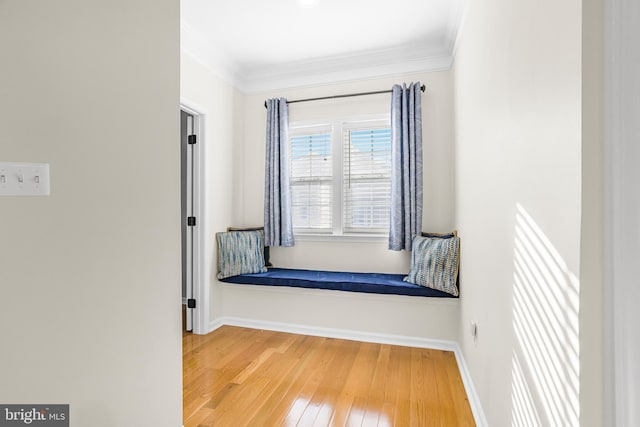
[[373, 283]]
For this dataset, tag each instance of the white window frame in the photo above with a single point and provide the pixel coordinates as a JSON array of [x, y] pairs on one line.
[[337, 152], [322, 128]]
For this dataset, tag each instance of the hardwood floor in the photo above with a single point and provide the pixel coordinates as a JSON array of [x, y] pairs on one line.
[[247, 377]]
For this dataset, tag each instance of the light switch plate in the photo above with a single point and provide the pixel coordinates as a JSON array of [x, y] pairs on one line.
[[24, 179]]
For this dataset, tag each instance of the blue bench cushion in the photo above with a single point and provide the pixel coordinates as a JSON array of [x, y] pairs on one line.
[[373, 283]]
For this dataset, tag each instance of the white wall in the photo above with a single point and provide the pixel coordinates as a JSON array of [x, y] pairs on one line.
[[425, 318], [438, 166], [90, 276], [345, 313], [221, 108], [622, 241], [518, 205]]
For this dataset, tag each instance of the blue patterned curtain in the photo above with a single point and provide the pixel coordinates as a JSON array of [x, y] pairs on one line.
[[406, 166], [278, 229]]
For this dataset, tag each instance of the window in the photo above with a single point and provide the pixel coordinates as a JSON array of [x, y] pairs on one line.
[[311, 180], [341, 177], [367, 179]]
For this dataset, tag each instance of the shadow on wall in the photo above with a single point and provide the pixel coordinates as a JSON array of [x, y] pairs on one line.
[[545, 363]]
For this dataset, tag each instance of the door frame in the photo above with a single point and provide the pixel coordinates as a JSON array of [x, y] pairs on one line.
[[200, 289]]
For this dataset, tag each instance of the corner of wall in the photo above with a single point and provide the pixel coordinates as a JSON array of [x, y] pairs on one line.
[[238, 183], [592, 348]]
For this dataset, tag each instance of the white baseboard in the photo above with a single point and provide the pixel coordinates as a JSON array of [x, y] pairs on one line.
[[472, 395], [335, 333], [215, 324], [474, 401]]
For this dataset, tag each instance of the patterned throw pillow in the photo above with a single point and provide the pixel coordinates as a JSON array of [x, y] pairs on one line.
[[434, 263], [240, 252], [267, 263]]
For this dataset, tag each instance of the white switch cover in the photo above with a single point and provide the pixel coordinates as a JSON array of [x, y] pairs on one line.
[[24, 179]]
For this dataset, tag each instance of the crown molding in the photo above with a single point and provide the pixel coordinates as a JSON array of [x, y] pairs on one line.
[[342, 68], [455, 22], [402, 60], [455, 26], [196, 46]]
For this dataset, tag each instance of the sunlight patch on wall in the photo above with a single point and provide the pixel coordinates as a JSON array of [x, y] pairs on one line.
[[545, 383], [523, 411]]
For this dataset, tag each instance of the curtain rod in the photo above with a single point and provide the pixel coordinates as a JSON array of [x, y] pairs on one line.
[[422, 88]]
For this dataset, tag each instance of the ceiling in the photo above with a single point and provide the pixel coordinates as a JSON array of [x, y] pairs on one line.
[[259, 45]]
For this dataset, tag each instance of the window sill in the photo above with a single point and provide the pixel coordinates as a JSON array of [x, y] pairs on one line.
[[346, 238]]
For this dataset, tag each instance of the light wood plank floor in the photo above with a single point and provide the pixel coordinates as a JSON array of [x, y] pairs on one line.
[[247, 377]]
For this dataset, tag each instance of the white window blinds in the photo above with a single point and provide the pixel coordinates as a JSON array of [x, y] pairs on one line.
[[341, 177], [311, 179], [366, 178]]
